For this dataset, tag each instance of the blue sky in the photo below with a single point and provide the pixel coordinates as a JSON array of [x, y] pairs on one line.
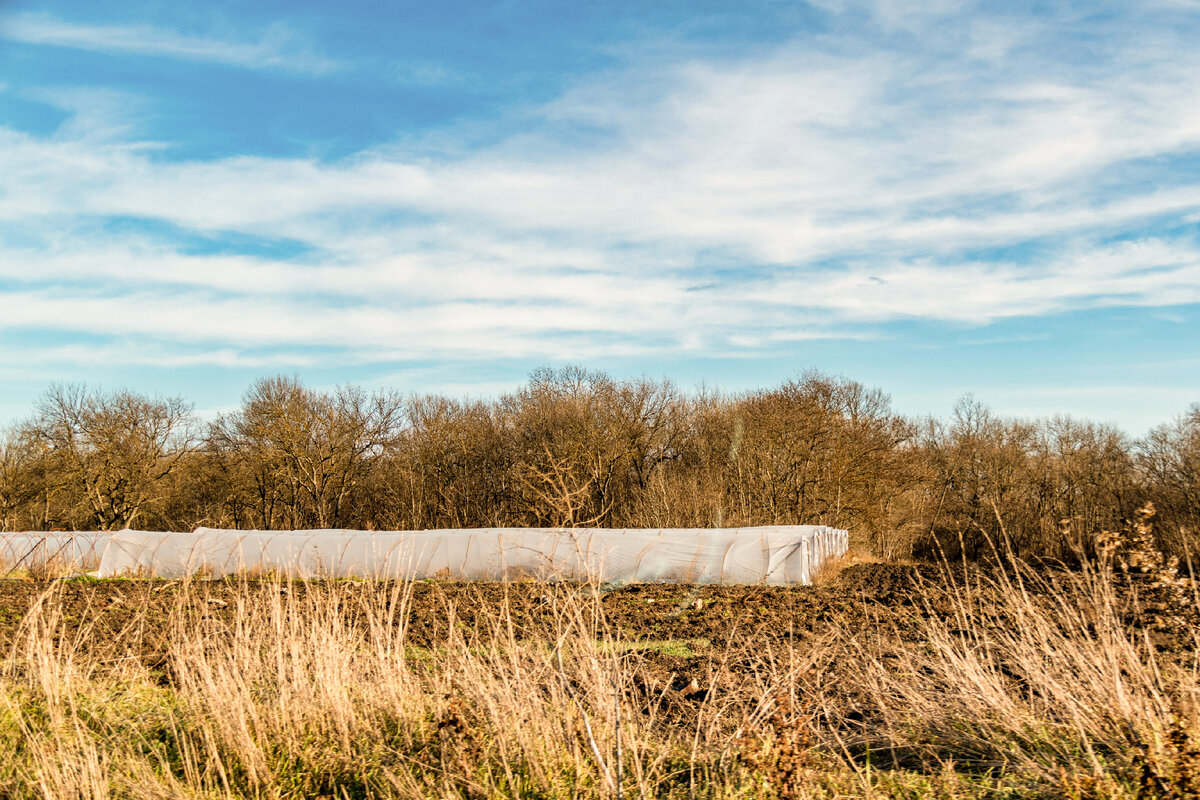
[[929, 197]]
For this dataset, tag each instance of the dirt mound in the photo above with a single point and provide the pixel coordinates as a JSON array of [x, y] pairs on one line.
[[874, 579]]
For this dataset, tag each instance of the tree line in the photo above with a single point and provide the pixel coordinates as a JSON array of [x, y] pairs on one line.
[[574, 447]]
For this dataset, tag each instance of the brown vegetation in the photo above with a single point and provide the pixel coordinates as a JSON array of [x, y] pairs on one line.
[[574, 447], [889, 681]]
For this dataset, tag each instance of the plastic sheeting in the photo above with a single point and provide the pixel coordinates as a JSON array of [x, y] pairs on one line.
[[79, 550], [769, 555], [782, 554]]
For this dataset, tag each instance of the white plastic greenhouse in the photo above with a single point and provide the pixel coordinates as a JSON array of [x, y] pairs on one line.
[[73, 549], [784, 554]]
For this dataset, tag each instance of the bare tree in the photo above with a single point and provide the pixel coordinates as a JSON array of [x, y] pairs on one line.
[[1170, 461], [22, 478], [449, 468], [584, 445], [1084, 479], [1039, 486], [815, 450], [306, 451], [109, 453], [575, 447]]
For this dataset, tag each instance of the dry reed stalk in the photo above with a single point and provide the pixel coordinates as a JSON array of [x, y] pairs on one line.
[[1028, 675]]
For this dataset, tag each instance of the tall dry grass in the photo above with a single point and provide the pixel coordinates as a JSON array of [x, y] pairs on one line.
[[303, 691], [1015, 683]]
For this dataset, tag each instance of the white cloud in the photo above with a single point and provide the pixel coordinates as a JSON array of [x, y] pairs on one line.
[[1145, 273], [819, 189], [784, 158], [278, 48]]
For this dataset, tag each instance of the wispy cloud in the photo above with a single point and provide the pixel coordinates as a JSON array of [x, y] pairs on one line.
[[827, 187], [279, 48]]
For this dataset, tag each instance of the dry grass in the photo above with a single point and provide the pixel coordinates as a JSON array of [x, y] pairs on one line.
[[1031, 685], [42, 571]]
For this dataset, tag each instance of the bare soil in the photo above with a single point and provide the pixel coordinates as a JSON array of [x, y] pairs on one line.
[[721, 616]]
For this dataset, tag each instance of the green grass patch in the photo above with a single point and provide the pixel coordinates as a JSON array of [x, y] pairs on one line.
[[680, 648]]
